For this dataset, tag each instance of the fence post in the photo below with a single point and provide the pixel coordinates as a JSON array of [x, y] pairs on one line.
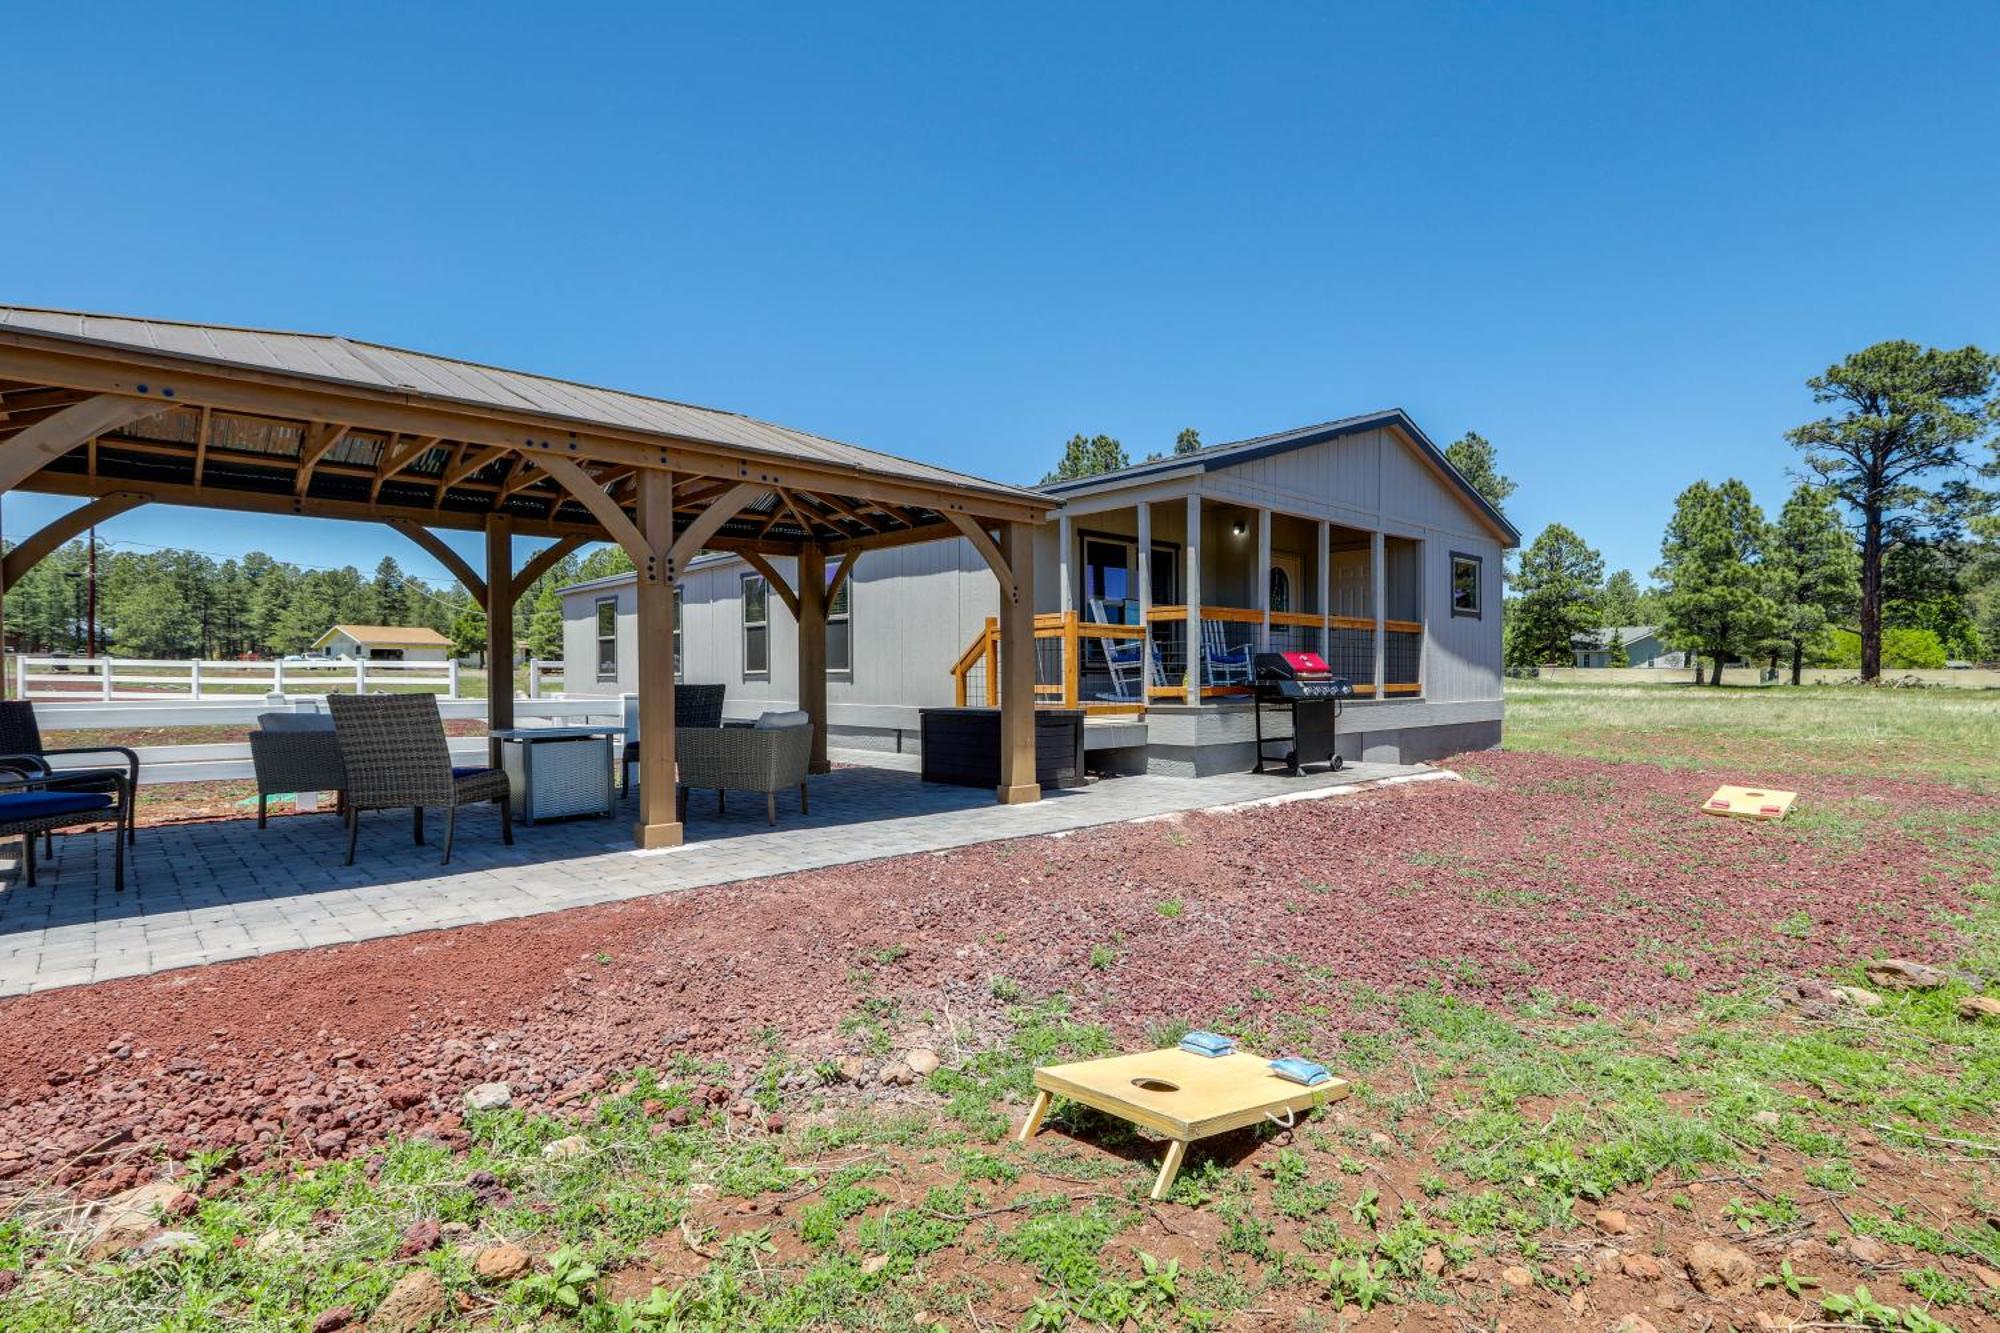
[[361, 675], [21, 675], [194, 677], [278, 676], [451, 674], [104, 668], [534, 678]]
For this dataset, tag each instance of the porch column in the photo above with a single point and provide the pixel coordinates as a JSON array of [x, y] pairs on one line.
[[659, 822], [1193, 596], [499, 629], [1017, 668], [1146, 681], [1325, 577], [1263, 588], [811, 590], [1065, 562], [1378, 590]]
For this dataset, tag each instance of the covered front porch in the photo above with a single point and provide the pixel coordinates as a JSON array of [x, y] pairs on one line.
[[1166, 601]]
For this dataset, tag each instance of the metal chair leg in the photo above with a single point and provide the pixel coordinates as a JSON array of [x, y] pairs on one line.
[[353, 833], [417, 823], [805, 805], [28, 858], [506, 805], [450, 828], [262, 811], [771, 808], [118, 845]]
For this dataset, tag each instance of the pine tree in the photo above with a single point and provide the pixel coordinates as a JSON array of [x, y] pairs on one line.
[[1716, 598], [1187, 442], [1479, 463], [1088, 457], [1555, 599], [1814, 572], [1617, 656], [1619, 602], [392, 595]]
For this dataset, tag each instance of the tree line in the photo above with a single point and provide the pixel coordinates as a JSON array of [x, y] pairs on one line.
[[1886, 554], [183, 604]]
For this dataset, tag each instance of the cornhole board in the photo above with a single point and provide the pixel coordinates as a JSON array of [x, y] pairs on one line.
[[1179, 1095], [1749, 803]]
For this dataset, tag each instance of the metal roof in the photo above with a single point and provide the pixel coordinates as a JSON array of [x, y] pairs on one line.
[[1210, 457], [332, 359]]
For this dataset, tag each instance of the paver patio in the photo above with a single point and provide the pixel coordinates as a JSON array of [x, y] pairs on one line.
[[207, 892]]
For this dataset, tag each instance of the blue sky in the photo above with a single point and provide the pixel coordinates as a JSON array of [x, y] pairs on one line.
[[1613, 239]]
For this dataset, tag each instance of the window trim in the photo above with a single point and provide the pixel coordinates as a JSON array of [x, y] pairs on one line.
[[680, 638], [743, 614], [1140, 568], [598, 634], [1478, 563]]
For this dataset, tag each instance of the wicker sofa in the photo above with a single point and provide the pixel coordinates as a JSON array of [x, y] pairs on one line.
[[769, 757]]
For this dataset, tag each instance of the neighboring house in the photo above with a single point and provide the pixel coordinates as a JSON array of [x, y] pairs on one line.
[[1354, 538], [1642, 648], [384, 643]]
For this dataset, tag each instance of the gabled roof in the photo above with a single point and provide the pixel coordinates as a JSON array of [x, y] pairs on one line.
[[1214, 456], [377, 366], [388, 636], [1601, 638]]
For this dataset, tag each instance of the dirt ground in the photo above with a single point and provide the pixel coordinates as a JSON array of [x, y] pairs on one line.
[[1587, 901]]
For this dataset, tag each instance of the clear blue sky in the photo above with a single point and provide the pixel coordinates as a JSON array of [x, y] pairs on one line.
[[1613, 239]]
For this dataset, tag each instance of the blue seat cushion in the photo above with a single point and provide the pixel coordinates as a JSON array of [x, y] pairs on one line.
[[471, 771], [45, 804]]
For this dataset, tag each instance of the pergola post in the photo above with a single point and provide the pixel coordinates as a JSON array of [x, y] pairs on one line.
[[811, 593], [659, 822], [1017, 667], [499, 629]]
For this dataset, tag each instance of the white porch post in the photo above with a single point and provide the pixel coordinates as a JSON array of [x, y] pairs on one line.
[[1065, 543], [1193, 596], [1325, 576], [1378, 594], [1146, 681], [1262, 590]]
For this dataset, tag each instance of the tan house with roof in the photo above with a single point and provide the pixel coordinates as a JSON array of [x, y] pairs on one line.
[[384, 643]]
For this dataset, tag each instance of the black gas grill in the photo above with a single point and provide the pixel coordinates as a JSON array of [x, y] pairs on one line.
[[1303, 684]]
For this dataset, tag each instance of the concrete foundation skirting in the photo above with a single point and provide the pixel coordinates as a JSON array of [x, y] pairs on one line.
[[1222, 738]]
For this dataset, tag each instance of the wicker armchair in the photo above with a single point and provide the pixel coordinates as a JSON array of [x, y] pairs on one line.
[[21, 738], [393, 751], [695, 706], [34, 801], [746, 759], [295, 752]]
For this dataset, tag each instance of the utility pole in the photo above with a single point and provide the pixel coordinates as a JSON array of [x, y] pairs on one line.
[[90, 581]]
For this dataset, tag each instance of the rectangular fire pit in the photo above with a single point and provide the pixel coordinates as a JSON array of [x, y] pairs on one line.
[[1179, 1095]]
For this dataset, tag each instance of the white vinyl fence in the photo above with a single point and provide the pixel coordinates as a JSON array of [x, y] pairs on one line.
[[107, 678]]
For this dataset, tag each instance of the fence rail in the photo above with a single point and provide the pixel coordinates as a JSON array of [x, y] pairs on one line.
[[57, 678]]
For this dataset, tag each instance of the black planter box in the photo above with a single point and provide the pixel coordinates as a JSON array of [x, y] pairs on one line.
[[962, 746]]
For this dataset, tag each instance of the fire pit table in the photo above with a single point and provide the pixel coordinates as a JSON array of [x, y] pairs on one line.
[[1180, 1095], [556, 771]]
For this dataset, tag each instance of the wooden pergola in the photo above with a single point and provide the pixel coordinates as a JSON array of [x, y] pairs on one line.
[[122, 412]]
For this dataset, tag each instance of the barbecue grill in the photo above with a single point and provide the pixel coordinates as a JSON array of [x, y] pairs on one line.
[[1305, 686]]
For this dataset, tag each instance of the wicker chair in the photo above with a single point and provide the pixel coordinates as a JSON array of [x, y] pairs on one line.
[[767, 759], [295, 752], [34, 801], [695, 706], [21, 737], [393, 751]]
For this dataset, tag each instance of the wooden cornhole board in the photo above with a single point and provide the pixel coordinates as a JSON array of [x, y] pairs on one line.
[[1749, 803], [1179, 1095]]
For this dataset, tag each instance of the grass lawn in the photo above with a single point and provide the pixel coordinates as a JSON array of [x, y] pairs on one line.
[[1524, 1147]]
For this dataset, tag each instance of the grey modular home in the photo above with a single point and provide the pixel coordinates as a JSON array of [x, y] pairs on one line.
[[1354, 539]]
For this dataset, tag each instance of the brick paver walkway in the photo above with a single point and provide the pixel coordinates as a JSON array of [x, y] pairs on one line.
[[202, 893]]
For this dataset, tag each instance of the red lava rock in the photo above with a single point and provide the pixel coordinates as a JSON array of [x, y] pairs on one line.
[[419, 1238], [333, 1320]]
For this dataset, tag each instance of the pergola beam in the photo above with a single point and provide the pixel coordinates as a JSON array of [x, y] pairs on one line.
[[543, 561], [319, 442], [26, 555], [777, 582], [435, 546], [25, 454]]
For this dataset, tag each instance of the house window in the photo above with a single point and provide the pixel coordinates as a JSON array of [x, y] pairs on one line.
[[1107, 582], [756, 626], [607, 638], [1465, 584], [839, 636], [679, 664]]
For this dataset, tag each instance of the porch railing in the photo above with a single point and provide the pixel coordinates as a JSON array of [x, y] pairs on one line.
[[1073, 668]]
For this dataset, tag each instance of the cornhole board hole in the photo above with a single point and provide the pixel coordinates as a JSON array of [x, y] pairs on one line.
[[1749, 803], [1179, 1095]]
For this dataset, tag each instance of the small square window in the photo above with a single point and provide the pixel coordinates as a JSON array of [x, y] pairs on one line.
[[1466, 584]]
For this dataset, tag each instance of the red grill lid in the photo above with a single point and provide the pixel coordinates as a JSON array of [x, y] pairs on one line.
[[1308, 664]]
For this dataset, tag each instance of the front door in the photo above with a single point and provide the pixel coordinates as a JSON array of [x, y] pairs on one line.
[[1288, 585]]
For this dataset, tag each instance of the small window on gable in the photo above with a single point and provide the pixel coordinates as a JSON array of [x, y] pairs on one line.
[[1465, 584]]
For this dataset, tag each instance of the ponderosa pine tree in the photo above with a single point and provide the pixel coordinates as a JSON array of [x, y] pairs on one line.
[[1716, 601], [1479, 463], [1088, 456], [1618, 603], [1555, 598], [1910, 421], [1813, 572]]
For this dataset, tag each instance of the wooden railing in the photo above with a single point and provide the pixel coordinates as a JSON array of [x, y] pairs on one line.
[[1061, 638]]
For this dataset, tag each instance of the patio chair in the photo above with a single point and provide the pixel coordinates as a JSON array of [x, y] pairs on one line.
[[1221, 664], [295, 752], [32, 800], [768, 756], [1128, 683], [695, 706], [21, 738], [394, 754]]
